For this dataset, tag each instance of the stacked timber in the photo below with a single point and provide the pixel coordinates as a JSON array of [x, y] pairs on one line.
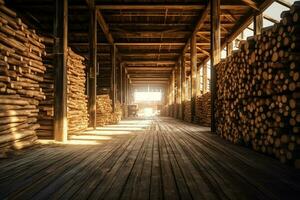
[[104, 109], [21, 72], [76, 98], [187, 111], [258, 91], [203, 109], [46, 106], [116, 116]]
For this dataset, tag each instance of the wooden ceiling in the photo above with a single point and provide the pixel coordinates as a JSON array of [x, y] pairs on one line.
[[150, 35]]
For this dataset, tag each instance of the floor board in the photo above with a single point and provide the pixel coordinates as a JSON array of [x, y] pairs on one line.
[[160, 158]]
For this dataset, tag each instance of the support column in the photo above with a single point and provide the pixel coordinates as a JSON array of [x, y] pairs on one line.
[[205, 81], [60, 51], [183, 84], [215, 57], [229, 48], [92, 93], [193, 47], [113, 77], [179, 114], [121, 83], [258, 23], [173, 95]]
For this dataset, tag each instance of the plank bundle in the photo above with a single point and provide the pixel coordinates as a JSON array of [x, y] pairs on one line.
[[203, 109], [21, 72], [187, 111], [105, 114], [76, 98], [258, 91], [46, 106]]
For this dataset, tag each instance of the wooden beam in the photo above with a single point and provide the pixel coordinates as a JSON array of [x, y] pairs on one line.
[[178, 78], [60, 52], [138, 68], [92, 66], [104, 27], [284, 3], [258, 23], [150, 62], [250, 3], [113, 77], [183, 84], [215, 55], [193, 47], [229, 48]]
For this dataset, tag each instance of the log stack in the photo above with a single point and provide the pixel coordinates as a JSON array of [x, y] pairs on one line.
[[21, 72], [76, 98], [46, 106], [203, 109], [258, 91], [187, 111]]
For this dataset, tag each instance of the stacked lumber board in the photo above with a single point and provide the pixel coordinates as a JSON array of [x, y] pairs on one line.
[[203, 109], [258, 91], [76, 98], [21, 72], [187, 111], [46, 106], [117, 115]]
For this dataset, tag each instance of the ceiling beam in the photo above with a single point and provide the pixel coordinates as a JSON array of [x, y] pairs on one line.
[[150, 62], [284, 3], [104, 27], [153, 68], [250, 3]]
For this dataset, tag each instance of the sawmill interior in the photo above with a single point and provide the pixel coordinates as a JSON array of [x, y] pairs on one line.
[[149, 99]]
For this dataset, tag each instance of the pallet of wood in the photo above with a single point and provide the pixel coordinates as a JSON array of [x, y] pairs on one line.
[[203, 109], [21, 72], [258, 91], [76, 98]]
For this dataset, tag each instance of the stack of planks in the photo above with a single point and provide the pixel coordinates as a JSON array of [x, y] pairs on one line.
[[203, 109], [21, 72], [46, 106], [104, 109], [258, 91], [187, 111], [117, 115], [76, 98]]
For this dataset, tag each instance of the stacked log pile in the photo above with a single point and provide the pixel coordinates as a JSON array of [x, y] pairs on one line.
[[203, 109], [258, 91], [21, 72], [76, 98], [187, 111], [46, 106]]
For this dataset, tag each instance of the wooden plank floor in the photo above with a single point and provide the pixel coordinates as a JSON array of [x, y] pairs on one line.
[[161, 158]]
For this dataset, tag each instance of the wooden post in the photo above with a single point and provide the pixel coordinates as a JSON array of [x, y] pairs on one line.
[[205, 78], [183, 84], [193, 47], [173, 94], [60, 51], [258, 23], [92, 65], [179, 114], [113, 77], [215, 57], [229, 48], [121, 83], [198, 92]]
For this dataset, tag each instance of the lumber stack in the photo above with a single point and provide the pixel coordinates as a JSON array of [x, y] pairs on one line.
[[258, 91], [203, 109], [187, 111], [76, 98], [21, 72], [117, 115], [46, 106]]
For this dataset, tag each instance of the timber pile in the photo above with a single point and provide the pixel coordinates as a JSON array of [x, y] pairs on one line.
[[21, 72], [203, 109], [187, 111], [105, 114], [76, 99], [258, 91], [46, 106]]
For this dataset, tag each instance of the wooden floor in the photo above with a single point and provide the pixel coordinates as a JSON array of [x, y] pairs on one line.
[[160, 158]]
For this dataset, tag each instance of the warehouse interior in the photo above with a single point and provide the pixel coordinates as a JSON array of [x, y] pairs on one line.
[[149, 99]]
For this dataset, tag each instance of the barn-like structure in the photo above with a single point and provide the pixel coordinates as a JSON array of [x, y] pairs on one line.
[[149, 99]]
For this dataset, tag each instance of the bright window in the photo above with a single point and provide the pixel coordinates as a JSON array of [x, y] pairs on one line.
[[147, 96]]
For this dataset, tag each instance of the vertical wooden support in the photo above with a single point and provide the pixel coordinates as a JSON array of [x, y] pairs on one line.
[[173, 94], [215, 12], [121, 83], [113, 77], [198, 92], [205, 78], [60, 49], [258, 23], [193, 47], [229, 48], [183, 84], [179, 114], [92, 65]]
